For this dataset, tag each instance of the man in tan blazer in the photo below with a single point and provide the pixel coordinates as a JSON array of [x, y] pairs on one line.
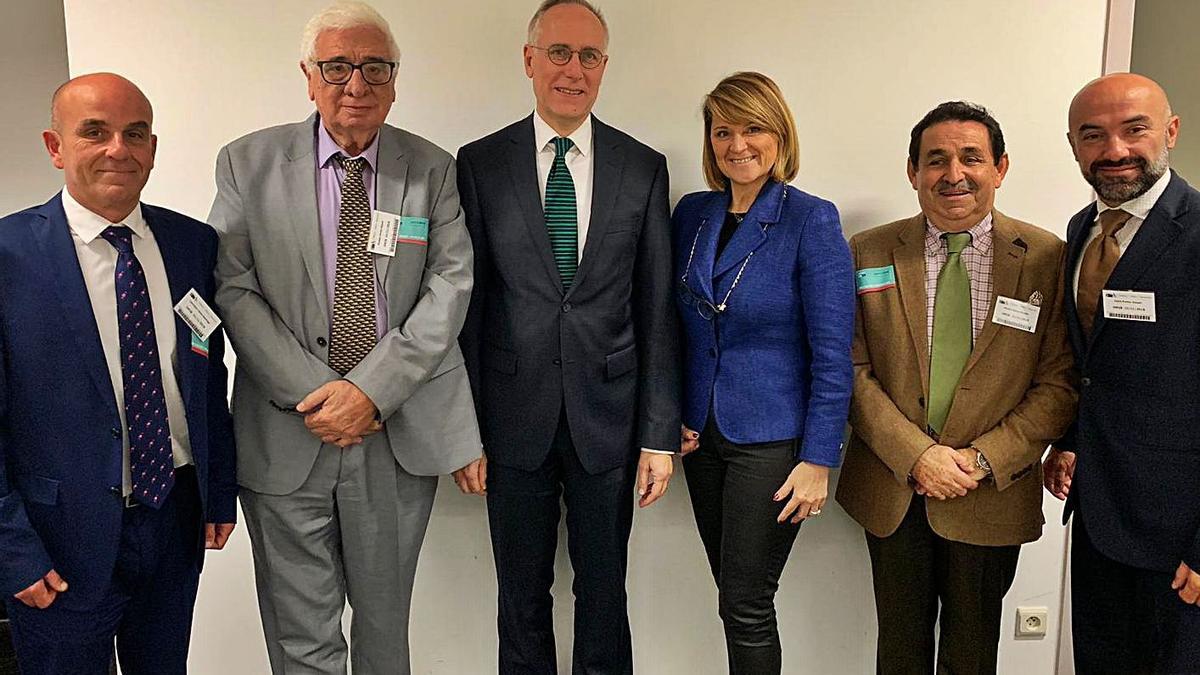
[[963, 376]]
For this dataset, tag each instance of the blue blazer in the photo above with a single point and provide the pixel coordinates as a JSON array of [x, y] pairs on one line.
[[775, 365], [60, 432], [1138, 469]]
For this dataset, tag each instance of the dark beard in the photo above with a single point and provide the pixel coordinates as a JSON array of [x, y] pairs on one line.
[[1121, 191]]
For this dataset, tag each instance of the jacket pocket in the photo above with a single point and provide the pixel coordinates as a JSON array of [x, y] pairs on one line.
[[620, 362], [37, 489]]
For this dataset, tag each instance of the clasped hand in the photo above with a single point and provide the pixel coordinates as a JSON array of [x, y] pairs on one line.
[[943, 473], [339, 412]]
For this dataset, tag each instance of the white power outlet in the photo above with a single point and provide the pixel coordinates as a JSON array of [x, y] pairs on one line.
[[1031, 622]]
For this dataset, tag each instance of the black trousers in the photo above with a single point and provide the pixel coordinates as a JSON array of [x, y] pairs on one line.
[[915, 570], [731, 486], [147, 606], [523, 512], [1126, 620]]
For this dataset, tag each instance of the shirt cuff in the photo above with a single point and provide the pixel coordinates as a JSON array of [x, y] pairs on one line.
[[658, 452]]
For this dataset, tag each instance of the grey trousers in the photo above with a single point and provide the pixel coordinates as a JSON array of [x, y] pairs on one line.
[[352, 532]]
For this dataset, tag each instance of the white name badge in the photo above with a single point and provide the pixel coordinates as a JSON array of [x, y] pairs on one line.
[[1128, 305], [384, 227], [196, 313], [1016, 314]]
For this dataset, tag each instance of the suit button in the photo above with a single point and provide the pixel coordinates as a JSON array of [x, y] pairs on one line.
[[712, 351], [921, 401], [566, 307], [1087, 382], [321, 342], [558, 362], [116, 433], [115, 489]]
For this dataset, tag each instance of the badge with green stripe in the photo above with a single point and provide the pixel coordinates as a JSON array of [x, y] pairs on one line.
[[413, 230], [199, 346], [874, 279]]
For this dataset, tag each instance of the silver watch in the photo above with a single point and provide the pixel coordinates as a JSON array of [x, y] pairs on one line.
[[981, 462]]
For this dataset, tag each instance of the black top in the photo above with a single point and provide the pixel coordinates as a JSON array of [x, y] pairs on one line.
[[732, 220]]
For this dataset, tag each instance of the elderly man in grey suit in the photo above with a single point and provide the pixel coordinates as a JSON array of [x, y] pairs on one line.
[[344, 276]]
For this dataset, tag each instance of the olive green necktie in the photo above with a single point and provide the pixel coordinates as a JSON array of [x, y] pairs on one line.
[[951, 330], [562, 222]]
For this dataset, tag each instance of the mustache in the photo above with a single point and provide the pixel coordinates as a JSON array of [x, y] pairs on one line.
[[964, 184], [1129, 163]]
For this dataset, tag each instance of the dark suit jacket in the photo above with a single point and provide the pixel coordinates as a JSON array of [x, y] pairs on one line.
[[783, 343], [60, 431], [1137, 480], [1016, 393], [607, 348]]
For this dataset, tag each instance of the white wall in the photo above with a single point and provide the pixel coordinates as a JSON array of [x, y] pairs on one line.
[[33, 47], [1165, 49], [858, 74]]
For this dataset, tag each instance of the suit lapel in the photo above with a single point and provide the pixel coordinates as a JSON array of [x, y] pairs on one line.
[[1008, 255], [608, 162], [391, 185], [752, 232], [523, 165], [53, 237], [300, 194], [706, 237], [178, 258], [1153, 238], [908, 258]]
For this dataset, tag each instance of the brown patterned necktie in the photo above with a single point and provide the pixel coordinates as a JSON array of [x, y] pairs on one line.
[[1098, 262], [353, 333]]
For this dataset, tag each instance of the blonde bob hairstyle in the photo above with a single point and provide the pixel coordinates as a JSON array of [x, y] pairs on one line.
[[751, 98]]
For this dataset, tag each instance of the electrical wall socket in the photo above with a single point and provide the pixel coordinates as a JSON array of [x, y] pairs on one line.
[[1032, 622]]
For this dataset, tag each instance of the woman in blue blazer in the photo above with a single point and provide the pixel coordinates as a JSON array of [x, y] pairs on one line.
[[766, 295]]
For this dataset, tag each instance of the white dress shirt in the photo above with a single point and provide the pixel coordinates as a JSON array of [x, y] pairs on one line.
[[1138, 208], [98, 262], [579, 163]]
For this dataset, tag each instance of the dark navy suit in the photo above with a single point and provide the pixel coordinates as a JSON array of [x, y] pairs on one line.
[[60, 445], [1136, 487]]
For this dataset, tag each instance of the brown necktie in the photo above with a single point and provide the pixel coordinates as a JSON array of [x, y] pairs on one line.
[[1098, 262]]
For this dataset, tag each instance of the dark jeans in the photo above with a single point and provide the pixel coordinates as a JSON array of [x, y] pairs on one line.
[[523, 513], [147, 607], [914, 570], [732, 487], [1128, 620]]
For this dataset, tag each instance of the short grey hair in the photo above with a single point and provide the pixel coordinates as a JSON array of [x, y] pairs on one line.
[[339, 16], [535, 23]]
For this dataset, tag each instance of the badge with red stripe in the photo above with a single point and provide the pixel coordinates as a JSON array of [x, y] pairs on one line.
[[874, 279], [199, 346]]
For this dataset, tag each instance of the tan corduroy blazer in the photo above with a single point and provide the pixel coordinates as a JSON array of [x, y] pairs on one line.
[[1017, 393]]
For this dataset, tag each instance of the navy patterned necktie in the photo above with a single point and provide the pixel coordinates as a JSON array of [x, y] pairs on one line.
[[151, 466], [352, 334], [562, 221]]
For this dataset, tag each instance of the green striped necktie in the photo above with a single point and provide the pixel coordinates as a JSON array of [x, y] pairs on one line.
[[562, 222], [951, 330]]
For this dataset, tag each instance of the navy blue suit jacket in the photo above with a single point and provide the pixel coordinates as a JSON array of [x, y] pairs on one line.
[[775, 365], [1137, 478], [60, 431]]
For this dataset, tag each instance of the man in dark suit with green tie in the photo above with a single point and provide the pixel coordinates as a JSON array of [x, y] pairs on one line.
[[571, 345]]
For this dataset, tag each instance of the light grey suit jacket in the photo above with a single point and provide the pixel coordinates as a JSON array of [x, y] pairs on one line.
[[271, 294]]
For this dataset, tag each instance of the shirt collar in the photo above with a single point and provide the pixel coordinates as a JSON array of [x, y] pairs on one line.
[[581, 137], [1139, 207], [327, 148], [87, 225], [981, 236]]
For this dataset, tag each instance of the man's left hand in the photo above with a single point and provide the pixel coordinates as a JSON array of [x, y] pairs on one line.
[[339, 412], [216, 534], [1187, 582], [653, 473]]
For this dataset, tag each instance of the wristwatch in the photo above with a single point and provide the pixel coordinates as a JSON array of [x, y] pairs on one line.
[[981, 462]]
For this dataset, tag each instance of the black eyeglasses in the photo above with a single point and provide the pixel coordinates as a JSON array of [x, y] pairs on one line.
[[560, 55], [340, 72], [705, 308]]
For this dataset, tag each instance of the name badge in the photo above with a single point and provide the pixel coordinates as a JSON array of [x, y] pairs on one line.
[[384, 227], [413, 230], [874, 279], [1016, 314], [1128, 305], [196, 313]]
